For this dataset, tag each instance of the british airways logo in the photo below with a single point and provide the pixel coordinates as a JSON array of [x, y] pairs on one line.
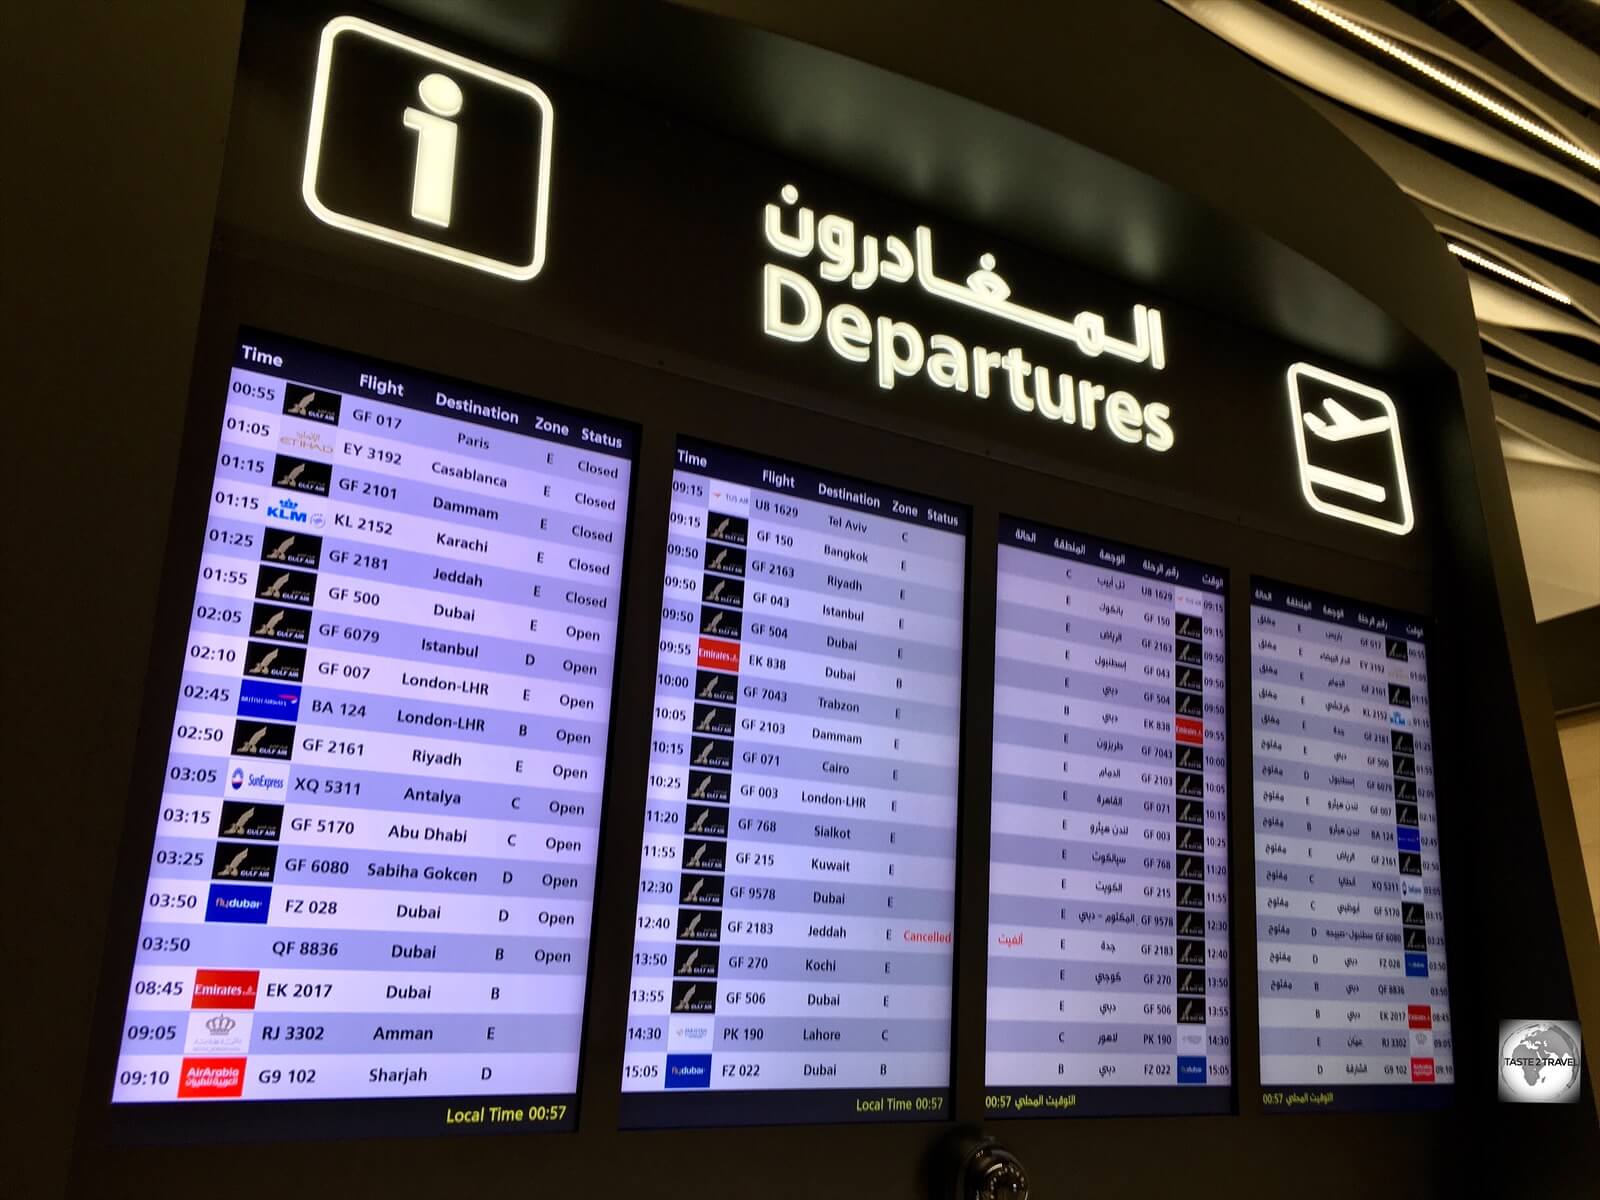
[[275, 701]]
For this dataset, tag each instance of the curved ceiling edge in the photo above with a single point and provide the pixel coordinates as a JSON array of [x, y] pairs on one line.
[[1564, 61], [1584, 295], [1391, 21], [1549, 359], [1305, 56]]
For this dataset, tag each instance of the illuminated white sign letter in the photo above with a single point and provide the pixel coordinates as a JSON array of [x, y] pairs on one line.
[[775, 281], [433, 186]]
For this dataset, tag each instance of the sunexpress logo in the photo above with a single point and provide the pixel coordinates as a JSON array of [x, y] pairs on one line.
[[421, 148]]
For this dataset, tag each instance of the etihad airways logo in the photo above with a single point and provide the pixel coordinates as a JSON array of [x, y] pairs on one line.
[[793, 311]]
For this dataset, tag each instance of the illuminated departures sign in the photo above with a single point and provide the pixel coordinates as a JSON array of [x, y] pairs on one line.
[[440, 155], [793, 310]]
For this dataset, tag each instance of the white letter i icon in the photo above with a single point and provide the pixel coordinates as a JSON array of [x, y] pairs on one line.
[[434, 181]]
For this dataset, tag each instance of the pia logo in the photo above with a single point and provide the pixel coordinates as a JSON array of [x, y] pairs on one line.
[[428, 151]]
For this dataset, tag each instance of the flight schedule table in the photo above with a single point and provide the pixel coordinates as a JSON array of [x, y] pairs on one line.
[[375, 854], [1354, 1001], [793, 950], [1108, 987]]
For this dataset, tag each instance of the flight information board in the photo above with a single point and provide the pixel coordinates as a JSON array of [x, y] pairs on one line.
[[1355, 1005], [374, 860], [1108, 989], [793, 949]]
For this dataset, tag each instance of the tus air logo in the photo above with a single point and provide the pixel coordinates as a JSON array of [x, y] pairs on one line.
[[429, 151], [1347, 444]]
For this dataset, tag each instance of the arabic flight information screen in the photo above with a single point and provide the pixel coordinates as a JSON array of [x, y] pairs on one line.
[[1108, 986], [1355, 1004], [374, 860], [793, 946]]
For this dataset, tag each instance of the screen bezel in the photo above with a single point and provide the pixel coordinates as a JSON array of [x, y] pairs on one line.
[[251, 289], [1373, 1097], [161, 1121], [1131, 1100], [795, 1096]]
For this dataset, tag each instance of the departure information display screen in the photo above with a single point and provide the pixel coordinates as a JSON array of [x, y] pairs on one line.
[[1355, 1005], [1108, 987], [793, 949], [374, 861]]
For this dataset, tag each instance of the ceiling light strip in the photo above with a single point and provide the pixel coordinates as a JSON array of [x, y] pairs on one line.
[[1488, 264], [1446, 80]]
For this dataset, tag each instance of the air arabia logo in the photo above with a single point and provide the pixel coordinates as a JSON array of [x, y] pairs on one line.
[[793, 311], [211, 1079]]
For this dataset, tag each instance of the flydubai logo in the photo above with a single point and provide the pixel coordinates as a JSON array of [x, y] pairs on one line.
[[429, 151]]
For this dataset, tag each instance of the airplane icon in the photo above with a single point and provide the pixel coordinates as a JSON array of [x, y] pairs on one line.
[[1340, 426], [1347, 444], [1343, 424]]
